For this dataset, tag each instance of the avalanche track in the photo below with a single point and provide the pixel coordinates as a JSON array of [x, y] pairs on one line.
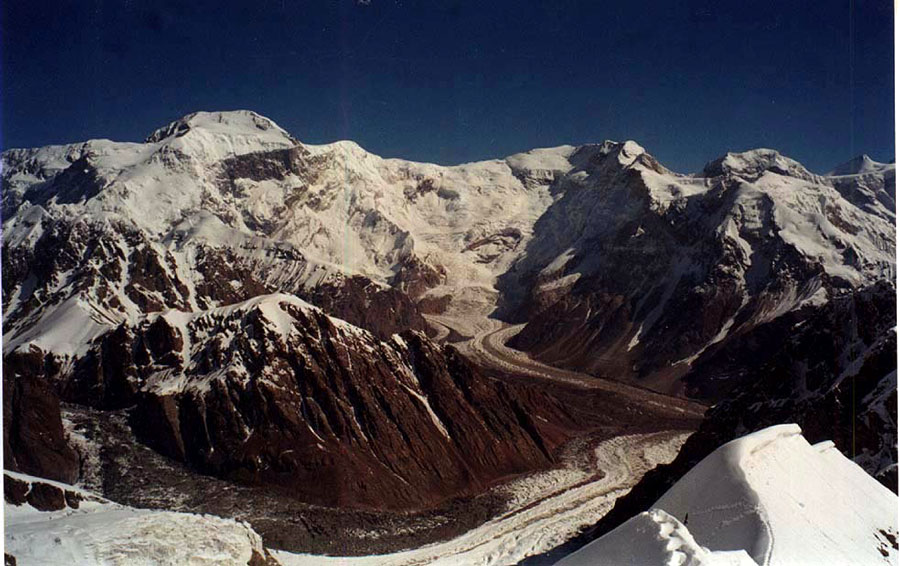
[[545, 509], [487, 347]]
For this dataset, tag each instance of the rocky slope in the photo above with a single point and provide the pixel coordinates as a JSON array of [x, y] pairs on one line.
[[833, 371], [272, 391], [33, 436]]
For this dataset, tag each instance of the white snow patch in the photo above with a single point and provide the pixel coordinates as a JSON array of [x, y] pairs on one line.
[[434, 418]]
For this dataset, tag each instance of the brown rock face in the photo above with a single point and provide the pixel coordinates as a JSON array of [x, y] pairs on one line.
[[41, 495], [359, 301], [275, 164], [14, 490], [149, 286], [273, 391], [46, 497], [833, 372], [34, 441], [101, 377], [414, 277], [434, 305], [73, 499], [221, 267]]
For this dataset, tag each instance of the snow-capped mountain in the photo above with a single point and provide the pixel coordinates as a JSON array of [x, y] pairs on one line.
[[177, 277], [769, 498], [599, 247], [608, 246], [602, 241], [860, 165], [637, 271], [218, 207]]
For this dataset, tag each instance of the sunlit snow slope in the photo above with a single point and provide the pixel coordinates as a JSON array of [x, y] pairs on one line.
[[769, 498]]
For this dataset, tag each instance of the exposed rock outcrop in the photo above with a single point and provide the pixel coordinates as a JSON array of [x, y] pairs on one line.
[[34, 441]]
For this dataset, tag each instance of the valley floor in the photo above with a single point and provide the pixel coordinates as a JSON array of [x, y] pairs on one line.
[[542, 511], [483, 341], [524, 516]]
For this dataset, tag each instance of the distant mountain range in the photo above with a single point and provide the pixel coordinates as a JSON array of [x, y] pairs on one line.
[[271, 312]]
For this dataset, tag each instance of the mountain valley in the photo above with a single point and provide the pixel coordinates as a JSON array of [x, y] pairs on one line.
[[359, 355]]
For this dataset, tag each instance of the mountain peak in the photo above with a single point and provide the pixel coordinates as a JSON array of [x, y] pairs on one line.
[[753, 163], [221, 122], [859, 165], [592, 155], [212, 136]]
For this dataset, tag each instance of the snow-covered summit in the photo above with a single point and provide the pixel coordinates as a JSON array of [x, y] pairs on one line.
[[229, 123], [770, 496], [860, 165], [753, 163]]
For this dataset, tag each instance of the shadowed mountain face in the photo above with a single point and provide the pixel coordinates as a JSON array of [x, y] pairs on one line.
[[659, 270], [166, 277]]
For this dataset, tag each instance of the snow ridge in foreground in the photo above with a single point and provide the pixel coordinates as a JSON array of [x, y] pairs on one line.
[[100, 532], [769, 498]]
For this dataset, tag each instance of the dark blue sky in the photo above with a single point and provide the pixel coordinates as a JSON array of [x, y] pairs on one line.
[[460, 81]]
